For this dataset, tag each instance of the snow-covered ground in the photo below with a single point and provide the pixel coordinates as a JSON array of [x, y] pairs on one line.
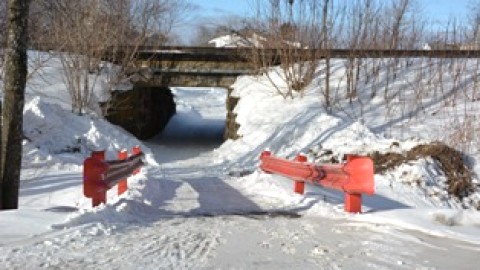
[[207, 205]]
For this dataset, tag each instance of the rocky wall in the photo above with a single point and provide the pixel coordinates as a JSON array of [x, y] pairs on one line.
[[231, 126], [143, 111]]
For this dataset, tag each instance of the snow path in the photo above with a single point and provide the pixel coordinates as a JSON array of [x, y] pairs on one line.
[[216, 211], [204, 219]]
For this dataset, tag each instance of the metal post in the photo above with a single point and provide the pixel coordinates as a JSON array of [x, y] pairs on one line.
[[135, 151], [353, 203], [122, 185], [93, 168], [299, 186]]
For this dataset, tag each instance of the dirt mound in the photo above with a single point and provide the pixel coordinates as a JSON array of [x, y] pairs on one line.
[[451, 162]]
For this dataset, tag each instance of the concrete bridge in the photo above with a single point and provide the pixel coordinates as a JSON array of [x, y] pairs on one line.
[[187, 66], [145, 110], [218, 67]]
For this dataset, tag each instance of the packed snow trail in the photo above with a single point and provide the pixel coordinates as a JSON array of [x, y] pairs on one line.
[[190, 232], [213, 209], [202, 219]]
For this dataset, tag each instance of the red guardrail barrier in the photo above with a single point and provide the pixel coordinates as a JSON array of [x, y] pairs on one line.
[[353, 177], [99, 175]]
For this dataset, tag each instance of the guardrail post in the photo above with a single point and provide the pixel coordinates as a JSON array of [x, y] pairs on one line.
[[93, 169], [353, 203], [299, 186], [135, 151], [122, 185]]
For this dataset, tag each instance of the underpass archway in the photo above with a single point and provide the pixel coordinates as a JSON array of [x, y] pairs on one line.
[[197, 127]]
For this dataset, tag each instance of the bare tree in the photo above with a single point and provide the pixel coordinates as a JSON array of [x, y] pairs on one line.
[[3, 22], [357, 21], [393, 34], [12, 108], [287, 34], [80, 28], [325, 45], [83, 31], [399, 9], [208, 30]]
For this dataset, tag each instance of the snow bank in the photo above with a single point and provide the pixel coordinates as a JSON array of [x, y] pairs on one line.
[[45, 127], [291, 126], [52, 133]]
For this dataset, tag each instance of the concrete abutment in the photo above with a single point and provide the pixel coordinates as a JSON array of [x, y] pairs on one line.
[[231, 125], [143, 111]]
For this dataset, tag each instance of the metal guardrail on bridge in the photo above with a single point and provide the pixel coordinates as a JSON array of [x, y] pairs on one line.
[[243, 54], [188, 53]]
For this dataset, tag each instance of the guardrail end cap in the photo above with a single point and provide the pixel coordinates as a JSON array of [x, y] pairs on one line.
[[265, 153]]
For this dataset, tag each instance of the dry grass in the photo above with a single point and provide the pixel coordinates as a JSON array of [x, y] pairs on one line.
[[451, 162]]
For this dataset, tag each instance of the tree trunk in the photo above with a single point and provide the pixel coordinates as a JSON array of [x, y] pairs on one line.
[[14, 99], [325, 46]]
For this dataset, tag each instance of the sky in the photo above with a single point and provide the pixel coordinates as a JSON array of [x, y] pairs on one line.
[[443, 9], [439, 9], [217, 12], [222, 7]]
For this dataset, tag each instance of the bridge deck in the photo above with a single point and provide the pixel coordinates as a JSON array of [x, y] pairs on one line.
[[245, 54], [200, 72], [209, 66]]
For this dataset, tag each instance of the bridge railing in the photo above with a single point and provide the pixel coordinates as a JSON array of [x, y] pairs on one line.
[[100, 175], [176, 53], [192, 53]]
